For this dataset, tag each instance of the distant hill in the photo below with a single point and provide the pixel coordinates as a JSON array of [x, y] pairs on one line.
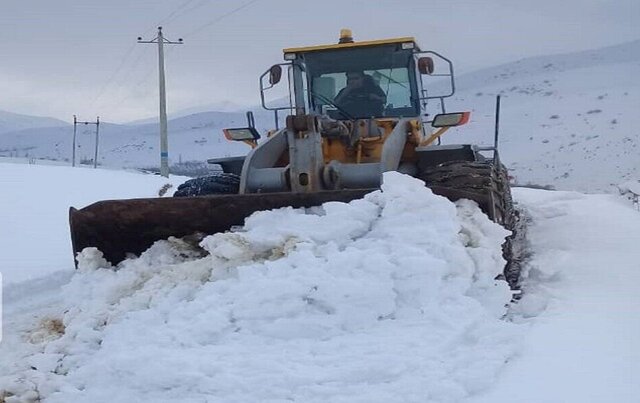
[[195, 137], [13, 121], [224, 106], [570, 121]]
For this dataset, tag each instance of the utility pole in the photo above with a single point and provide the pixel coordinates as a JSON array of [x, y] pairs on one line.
[[76, 122], [95, 157], [164, 143], [73, 152]]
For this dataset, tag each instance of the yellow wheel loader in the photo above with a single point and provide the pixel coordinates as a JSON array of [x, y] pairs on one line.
[[357, 110]]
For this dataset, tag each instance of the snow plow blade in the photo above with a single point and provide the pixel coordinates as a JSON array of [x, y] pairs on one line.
[[119, 228], [122, 227]]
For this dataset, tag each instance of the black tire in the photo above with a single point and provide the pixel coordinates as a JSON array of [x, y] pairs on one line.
[[488, 185], [219, 183], [485, 183]]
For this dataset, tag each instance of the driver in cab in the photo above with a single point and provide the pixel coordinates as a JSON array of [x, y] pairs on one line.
[[361, 97]]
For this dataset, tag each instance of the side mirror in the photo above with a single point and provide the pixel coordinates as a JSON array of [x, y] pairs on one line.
[[451, 119], [241, 134], [275, 74], [425, 65]]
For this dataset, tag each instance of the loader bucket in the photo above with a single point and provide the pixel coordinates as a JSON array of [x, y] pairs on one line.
[[122, 227]]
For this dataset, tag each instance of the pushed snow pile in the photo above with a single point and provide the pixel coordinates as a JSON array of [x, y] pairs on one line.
[[388, 298]]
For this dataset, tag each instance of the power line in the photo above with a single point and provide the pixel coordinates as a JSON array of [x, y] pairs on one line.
[[136, 83], [135, 64], [173, 15], [217, 19], [102, 90], [144, 81], [183, 9]]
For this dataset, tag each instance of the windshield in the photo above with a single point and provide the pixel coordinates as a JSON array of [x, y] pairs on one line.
[[362, 83]]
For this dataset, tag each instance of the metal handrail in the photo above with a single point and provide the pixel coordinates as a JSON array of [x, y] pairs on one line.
[[263, 88], [450, 75]]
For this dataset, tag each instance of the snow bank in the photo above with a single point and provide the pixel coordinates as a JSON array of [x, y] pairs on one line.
[[388, 298]]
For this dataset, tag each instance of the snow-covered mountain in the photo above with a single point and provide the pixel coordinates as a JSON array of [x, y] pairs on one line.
[[569, 121], [225, 106], [10, 122]]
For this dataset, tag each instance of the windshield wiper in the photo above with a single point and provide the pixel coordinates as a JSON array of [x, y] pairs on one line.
[[330, 102]]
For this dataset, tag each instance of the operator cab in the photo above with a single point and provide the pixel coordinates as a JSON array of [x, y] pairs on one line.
[[357, 80], [388, 70]]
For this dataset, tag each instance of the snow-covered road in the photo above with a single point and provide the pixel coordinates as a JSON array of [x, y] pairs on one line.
[[582, 294], [390, 298]]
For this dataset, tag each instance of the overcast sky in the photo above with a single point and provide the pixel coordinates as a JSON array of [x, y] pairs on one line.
[[65, 57]]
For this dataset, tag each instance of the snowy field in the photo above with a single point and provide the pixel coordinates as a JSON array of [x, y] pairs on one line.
[[35, 205], [567, 121], [391, 298]]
